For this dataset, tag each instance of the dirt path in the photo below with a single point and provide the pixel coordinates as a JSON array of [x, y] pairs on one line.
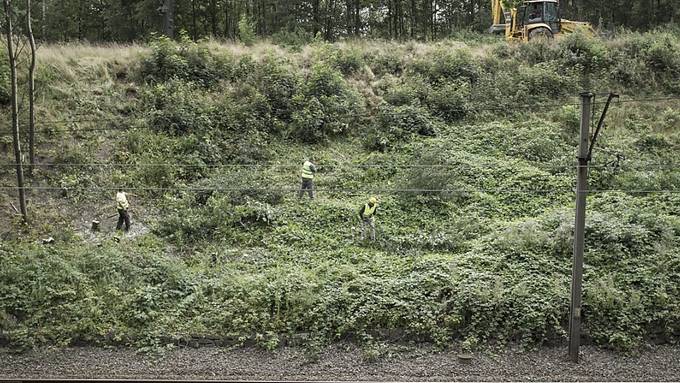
[[343, 363]]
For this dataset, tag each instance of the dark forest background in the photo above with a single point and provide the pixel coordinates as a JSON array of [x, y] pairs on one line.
[[129, 20]]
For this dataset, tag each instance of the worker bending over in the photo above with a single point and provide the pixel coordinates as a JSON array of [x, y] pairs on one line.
[[123, 205], [308, 170], [367, 216]]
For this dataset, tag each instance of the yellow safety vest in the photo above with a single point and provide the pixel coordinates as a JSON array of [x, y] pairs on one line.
[[121, 201], [307, 170], [369, 211]]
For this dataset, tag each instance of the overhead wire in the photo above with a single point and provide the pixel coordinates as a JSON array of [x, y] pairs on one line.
[[534, 106], [565, 190], [652, 166], [655, 166]]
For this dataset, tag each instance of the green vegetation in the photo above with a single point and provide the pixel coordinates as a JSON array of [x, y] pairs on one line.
[[473, 149]]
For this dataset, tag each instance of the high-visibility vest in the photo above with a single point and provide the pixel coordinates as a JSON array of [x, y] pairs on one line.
[[121, 201], [369, 211], [307, 170]]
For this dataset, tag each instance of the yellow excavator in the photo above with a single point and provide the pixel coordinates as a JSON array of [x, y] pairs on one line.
[[533, 19]]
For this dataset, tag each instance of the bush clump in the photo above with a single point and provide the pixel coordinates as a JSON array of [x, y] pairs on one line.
[[179, 108], [325, 106], [450, 101], [218, 218], [246, 31], [294, 39], [646, 61], [581, 51], [445, 65], [184, 60], [279, 82], [397, 124]]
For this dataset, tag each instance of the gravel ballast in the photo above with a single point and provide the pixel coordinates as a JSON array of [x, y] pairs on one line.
[[343, 362]]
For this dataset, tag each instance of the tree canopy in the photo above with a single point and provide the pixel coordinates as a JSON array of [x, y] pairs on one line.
[[127, 20]]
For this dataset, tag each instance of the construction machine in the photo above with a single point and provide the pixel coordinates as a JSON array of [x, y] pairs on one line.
[[533, 19]]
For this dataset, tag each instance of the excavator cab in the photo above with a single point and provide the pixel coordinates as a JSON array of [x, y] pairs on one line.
[[539, 14]]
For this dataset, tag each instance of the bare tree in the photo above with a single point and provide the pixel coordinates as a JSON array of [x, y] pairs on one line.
[[31, 91], [15, 108]]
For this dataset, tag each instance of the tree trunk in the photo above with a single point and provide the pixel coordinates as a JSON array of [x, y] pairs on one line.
[[194, 26], [169, 19], [330, 20], [15, 109], [348, 17], [44, 20], [315, 16], [400, 15], [357, 17], [413, 19], [227, 19], [213, 17], [433, 14], [31, 91], [390, 19]]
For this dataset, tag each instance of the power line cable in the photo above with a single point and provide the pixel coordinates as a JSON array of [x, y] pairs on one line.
[[344, 190], [651, 166], [368, 114], [291, 189]]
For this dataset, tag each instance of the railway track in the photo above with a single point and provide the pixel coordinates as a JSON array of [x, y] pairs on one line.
[[47, 380]]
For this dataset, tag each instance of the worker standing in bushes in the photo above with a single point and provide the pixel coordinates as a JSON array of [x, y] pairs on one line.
[[367, 215], [308, 170], [123, 205]]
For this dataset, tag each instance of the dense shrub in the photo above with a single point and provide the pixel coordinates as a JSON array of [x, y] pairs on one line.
[[385, 62], [184, 60], [279, 82], [580, 50], [663, 54], [646, 61], [294, 39], [246, 31], [219, 218], [238, 199], [395, 125], [631, 286], [448, 65], [512, 285], [534, 52], [247, 109], [179, 108], [346, 60], [469, 175], [325, 106], [410, 90], [543, 82], [402, 94], [450, 101]]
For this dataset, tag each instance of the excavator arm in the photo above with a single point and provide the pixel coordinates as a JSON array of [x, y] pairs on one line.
[[496, 11], [569, 26], [498, 15]]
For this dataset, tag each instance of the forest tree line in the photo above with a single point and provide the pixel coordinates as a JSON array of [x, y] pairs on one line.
[[129, 20]]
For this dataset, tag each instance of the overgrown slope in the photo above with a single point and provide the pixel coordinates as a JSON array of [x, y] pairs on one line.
[[470, 148]]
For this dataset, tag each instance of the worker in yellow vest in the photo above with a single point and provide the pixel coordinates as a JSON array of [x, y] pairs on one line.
[[308, 170], [367, 216], [122, 205]]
